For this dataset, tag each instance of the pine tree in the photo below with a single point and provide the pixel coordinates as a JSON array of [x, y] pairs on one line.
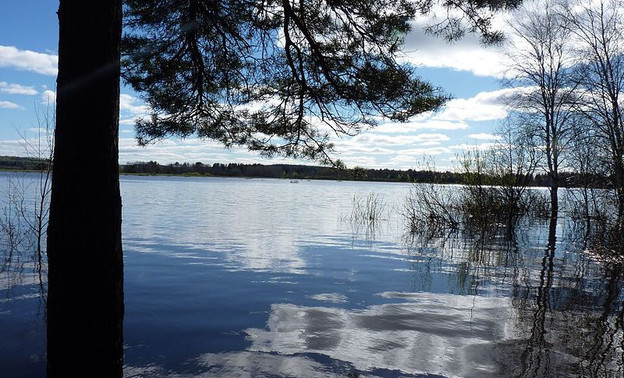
[[85, 280]]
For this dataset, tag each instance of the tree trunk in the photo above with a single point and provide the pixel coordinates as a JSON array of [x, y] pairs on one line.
[[554, 200], [618, 183], [85, 286]]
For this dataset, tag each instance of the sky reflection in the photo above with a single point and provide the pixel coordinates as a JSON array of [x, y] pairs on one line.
[[265, 278], [450, 335], [259, 225]]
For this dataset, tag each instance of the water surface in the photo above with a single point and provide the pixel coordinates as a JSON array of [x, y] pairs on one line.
[[250, 277]]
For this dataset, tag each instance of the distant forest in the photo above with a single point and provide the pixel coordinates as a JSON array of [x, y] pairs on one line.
[[309, 172], [292, 172], [16, 163]]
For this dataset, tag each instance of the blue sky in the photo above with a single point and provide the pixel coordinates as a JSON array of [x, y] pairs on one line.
[[468, 71]]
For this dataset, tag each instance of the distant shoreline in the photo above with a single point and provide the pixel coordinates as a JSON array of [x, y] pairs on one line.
[[284, 171]]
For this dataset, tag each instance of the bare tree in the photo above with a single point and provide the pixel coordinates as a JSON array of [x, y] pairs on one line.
[[496, 179], [514, 167], [35, 214], [587, 198], [600, 74], [542, 62], [25, 203]]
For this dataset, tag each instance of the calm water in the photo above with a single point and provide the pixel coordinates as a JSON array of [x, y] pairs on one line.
[[236, 277]]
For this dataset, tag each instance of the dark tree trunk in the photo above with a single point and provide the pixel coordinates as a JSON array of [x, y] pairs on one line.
[[85, 287], [554, 200], [618, 183]]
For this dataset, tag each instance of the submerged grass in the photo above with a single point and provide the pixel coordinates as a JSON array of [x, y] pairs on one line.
[[368, 210], [432, 209], [366, 214], [435, 210], [487, 212]]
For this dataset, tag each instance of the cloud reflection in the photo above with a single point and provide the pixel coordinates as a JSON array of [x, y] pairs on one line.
[[330, 297], [248, 364], [441, 334], [259, 225]]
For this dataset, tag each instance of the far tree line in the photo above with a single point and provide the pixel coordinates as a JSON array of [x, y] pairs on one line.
[[312, 172]]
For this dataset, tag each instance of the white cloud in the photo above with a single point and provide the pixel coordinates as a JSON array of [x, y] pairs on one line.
[[9, 105], [128, 121], [33, 142], [11, 148], [420, 161], [485, 106], [430, 139], [389, 151], [404, 161], [353, 159], [426, 151], [48, 97], [401, 159], [471, 147], [12, 88], [423, 122], [350, 147], [132, 105], [360, 161], [398, 140], [467, 54], [185, 150], [26, 60], [484, 136]]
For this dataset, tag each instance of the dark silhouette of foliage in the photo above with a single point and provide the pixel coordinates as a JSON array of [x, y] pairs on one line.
[[279, 77], [474, 16], [291, 171], [22, 163]]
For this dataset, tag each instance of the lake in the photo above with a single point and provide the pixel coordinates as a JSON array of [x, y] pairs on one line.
[[272, 278]]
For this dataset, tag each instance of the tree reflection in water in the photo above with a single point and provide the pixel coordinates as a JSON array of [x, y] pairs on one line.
[[537, 354], [567, 311], [606, 341]]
